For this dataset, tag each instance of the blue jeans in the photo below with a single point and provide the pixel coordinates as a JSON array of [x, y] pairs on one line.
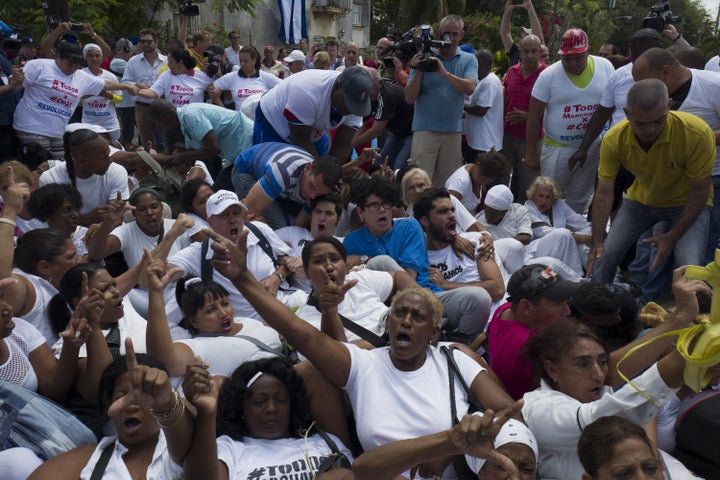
[[263, 132], [398, 149], [275, 215], [714, 230], [632, 220]]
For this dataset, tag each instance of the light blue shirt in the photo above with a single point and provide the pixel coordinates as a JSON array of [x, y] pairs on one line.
[[439, 106], [232, 129]]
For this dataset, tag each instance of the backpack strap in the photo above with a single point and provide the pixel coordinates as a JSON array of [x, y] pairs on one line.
[[362, 332], [264, 243], [261, 345], [206, 268], [453, 369], [99, 470], [158, 169]]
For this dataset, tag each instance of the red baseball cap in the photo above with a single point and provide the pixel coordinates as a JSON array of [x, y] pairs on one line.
[[573, 41]]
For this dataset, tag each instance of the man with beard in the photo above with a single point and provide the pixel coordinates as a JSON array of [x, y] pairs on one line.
[[449, 268], [399, 245]]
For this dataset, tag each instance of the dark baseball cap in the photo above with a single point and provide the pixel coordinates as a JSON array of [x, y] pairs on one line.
[[644, 34], [357, 86], [539, 281]]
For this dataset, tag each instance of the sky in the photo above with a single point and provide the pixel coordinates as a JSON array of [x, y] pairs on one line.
[[711, 6]]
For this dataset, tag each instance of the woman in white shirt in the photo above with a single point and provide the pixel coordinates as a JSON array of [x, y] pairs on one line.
[[153, 426], [247, 81], [182, 83]]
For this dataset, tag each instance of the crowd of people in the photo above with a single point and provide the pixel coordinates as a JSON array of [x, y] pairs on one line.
[[339, 263]]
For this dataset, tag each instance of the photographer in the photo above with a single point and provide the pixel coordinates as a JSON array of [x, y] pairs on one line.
[[201, 39], [437, 132], [46, 47]]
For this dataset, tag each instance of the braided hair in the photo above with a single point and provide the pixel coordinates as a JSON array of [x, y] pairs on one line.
[[73, 139]]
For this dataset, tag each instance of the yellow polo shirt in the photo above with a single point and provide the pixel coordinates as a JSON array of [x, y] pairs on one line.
[[683, 153]]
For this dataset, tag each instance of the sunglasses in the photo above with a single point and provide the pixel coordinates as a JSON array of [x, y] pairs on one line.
[[146, 42]]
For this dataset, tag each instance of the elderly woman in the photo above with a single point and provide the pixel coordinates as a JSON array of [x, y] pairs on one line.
[[556, 229], [572, 362], [470, 183], [100, 109], [418, 403], [613, 447]]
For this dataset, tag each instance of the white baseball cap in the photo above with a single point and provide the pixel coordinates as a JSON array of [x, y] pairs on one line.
[[221, 201], [512, 431], [295, 56]]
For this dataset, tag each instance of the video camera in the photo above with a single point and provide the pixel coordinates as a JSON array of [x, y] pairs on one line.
[[660, 16], [188, 8], [410, 44]]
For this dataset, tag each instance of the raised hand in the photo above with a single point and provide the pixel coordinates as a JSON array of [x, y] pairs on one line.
[[330, 294], [229, 258], [199, 386], [158, 276], [147, 386], [15, 193], [78, 330]]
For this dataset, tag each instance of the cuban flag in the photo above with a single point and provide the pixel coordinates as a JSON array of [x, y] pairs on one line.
[[293, 26]]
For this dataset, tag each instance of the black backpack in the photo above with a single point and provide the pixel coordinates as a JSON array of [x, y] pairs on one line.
[[697, 441], [166, 181]]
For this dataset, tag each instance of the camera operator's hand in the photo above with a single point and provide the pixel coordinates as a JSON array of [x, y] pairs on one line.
[[671, 32], [415, 60]]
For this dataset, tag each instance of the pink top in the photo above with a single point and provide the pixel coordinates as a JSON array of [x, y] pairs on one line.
[[505, 341]]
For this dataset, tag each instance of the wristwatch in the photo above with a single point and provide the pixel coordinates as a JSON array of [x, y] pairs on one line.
[[364, 259]]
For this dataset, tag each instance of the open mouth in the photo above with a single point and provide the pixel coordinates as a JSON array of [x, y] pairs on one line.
[[132, 424], [403, 339], [233, 232], [226, 325], [596, 393]]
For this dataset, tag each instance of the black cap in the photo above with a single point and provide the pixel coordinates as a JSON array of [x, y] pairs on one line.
[[644, 34], [539, 280], [215, 48]]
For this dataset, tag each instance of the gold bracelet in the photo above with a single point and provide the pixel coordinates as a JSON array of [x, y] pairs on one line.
[[159, 416], [179, 414], [8, 221]]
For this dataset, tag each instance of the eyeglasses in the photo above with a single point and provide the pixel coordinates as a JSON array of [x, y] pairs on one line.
[[146, 42], [234, 38], [375, 206]]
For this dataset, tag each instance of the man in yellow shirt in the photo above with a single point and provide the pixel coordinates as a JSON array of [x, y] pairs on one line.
[[671, 155]]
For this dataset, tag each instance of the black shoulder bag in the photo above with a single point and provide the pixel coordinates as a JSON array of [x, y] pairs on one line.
[[362, 332], [462, 469], [336, 459]]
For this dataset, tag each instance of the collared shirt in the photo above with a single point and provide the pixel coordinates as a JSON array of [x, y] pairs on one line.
[[138, 69], [683, 153]]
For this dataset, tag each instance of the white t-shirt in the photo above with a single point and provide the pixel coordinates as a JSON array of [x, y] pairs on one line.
[[284, 458], [713, 65], [18, 370], [460, 182], [133, 241], [305, 95], [363, 303], [182, 89], [702, 100], [259, 264], [95, 190], [615, 94], [486, 133], [37, 316], [162, 466], [99, 110], [569, 108], [418, 402], [454, 269], [50, 97], [516, 221], [242, 87], [224, 354]]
